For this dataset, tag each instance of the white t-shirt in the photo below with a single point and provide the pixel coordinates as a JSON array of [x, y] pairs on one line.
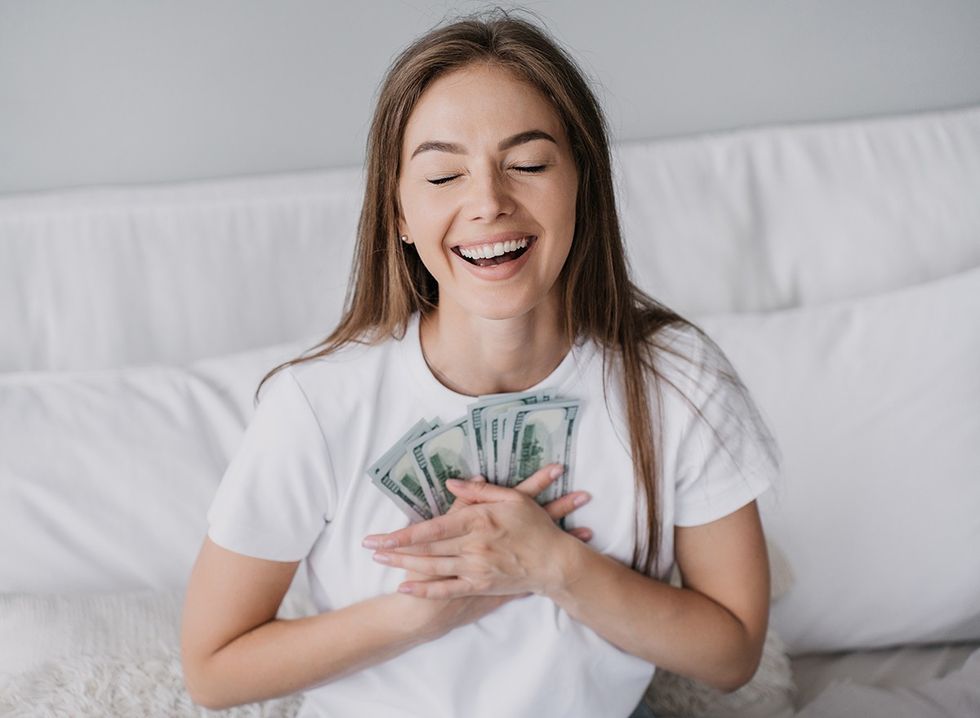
[[297, 489]]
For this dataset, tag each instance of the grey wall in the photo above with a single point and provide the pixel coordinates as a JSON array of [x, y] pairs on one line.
[[112, 92]]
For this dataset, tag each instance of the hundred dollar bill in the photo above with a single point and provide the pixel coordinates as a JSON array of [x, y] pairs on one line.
[[482, 412], [396, 490], [391, 455], [537, 436], [443, 454], [396, 476]]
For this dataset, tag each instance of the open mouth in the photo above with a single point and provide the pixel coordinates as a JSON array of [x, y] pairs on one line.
[[500, 253]]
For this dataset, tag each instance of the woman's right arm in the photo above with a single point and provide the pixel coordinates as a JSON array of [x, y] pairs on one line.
[[235, 651]]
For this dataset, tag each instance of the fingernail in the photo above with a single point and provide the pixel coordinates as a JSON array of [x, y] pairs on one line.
[[389, 543], [381, 558], [370, 543], [580, 499], [404, 589], [556, 472], [453, 483]]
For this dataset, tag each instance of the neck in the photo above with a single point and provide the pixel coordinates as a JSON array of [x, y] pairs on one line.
[[472, 355]]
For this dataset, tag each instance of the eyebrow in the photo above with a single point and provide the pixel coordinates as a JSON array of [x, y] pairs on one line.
[[518, 139]]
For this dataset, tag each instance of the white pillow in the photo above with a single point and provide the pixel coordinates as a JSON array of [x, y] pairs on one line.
[[106, 476], [876, 406]]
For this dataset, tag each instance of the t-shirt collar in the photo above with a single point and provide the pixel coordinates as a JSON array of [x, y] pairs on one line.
[[428, 386]]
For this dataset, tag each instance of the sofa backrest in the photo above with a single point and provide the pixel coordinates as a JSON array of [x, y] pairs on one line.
[[752, 220]]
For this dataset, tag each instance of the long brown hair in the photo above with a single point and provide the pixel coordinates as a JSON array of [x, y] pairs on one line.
[[389, 282]]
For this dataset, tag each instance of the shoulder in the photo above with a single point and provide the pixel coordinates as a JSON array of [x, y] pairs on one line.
[[692, 363], [344, 382], [343, 367], [711, 402]]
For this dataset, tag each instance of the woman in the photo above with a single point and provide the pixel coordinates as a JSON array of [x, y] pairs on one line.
[[489, 260]]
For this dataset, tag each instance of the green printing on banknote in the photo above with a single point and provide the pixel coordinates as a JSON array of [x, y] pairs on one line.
[[531, 453]]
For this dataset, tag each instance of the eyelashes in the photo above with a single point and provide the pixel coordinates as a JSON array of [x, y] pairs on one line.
[[527, 169]]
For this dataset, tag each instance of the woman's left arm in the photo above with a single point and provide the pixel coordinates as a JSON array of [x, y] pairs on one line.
[[712, 629]]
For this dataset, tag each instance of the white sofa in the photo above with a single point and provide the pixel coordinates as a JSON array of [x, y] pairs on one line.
[[838, 264]]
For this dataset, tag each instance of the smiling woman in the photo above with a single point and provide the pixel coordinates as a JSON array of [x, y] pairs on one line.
[[489, 261]]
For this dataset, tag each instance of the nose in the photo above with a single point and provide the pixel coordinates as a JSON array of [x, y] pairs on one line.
[[489, 196]]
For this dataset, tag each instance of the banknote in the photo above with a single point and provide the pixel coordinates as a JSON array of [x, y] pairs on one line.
[[482, 413], [441, 454], [504, 437], [395, 474], [535, 436]]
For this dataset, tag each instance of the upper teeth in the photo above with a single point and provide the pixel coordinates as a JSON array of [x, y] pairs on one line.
[[486, 251]]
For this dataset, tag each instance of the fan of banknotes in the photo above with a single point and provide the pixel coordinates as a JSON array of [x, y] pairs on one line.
[[503, 437]]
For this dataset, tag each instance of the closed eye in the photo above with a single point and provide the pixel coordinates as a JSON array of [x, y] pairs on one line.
[[532, 169], [443, 180], [529, 169]]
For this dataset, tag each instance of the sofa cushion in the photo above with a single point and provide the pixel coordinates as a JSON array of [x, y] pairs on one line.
[[874, 403], [106, 476]]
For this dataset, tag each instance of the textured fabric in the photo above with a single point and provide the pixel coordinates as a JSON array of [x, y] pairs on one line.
[[955, 695], [888, 668], [294, 493], [105, 655]]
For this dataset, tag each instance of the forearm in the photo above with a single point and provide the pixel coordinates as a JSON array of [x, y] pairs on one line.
[[677, 629], [287, 656]]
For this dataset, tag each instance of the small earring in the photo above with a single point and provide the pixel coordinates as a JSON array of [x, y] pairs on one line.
[[404, 238]]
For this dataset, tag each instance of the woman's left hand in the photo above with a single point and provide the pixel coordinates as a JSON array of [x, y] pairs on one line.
[[503, 543]]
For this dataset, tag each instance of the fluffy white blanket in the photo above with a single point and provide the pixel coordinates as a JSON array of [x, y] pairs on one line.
[[119, 686]]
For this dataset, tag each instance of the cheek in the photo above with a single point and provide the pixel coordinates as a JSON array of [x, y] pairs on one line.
[[564, 222]]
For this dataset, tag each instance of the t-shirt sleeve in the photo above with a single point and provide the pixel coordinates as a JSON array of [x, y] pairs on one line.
[[278, 492], [732, 459]]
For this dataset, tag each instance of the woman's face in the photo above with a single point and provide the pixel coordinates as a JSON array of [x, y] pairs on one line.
[[487, 191]]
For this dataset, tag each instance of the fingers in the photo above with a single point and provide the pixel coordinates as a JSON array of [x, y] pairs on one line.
[[444, 588], [459, 502], [425, 565], [540, 480], [582, 533], [447, 526], [448, 547], [537, 482], [566, 504]]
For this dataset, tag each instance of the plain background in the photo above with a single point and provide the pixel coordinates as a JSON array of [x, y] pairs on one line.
[[114, 92]]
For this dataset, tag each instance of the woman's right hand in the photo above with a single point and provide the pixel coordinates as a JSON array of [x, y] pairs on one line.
[[443, 615]]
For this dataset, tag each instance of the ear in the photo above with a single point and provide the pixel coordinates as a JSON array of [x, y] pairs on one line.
[[402, 229]]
